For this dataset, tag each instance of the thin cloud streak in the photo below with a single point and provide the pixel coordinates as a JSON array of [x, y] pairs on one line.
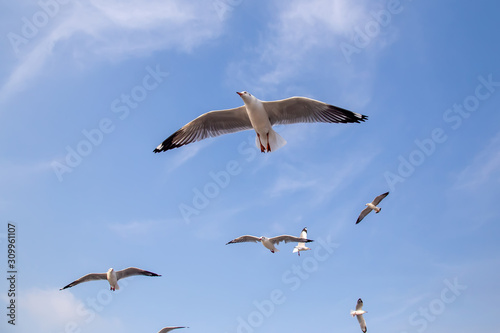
[[484, 167]]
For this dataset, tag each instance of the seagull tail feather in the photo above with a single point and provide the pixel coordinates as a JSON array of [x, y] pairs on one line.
[[275, 140]]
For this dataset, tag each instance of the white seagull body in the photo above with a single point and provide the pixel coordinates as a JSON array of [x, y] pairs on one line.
[[359, 314], [112, 276], [269, 243], [261, 116], [301, 246], [372, 206], [168, 329]]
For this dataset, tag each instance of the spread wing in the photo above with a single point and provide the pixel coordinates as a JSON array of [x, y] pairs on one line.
[[133, 271], [210, 124], [243, 239], [362, 323], [303, 234], [377, 200], [86, 278], [168, 329], [305, 110], [287, 239], [364, 212]]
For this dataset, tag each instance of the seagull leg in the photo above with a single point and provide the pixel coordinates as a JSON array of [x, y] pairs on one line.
[[268, 146], [262, 149]]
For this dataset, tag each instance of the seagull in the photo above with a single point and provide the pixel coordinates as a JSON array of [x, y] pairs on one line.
[[270, 242], [301, 246], [168, 329], [261, 116], [372, 206], [112, 276], [359, 314]]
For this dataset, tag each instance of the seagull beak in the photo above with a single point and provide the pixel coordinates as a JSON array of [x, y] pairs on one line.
[[239, 93]]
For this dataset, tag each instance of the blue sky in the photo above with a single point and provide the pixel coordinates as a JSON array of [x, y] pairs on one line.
[[88, 89]]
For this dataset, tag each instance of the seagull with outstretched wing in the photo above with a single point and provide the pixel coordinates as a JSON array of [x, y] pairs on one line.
[[372, 206], [301, 246], [359, 314], [112, 276], [269, 243], [260, 116]]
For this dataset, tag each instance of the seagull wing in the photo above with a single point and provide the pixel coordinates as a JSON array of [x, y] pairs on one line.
[[287, 239], [305, 110], [133, 271], [244, 239], [364, 212], [210, 124], [86, 278], [377, 200], [168, 329], [303, 234], [362, 323]]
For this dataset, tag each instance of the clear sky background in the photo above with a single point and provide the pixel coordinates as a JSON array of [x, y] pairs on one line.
[[89, 88]]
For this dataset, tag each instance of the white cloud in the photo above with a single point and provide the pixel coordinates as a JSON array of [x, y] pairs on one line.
[[114, 30], [54, 311]]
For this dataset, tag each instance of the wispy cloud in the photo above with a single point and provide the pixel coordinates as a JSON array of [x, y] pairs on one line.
[[112, 30], [185, 154], [322, 179], [20, 172], [52, 311], [299, 32], [134, 228], [484, 169]]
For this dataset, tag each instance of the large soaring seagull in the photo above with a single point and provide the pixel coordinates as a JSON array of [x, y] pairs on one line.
[[261, 116], [112, 276]]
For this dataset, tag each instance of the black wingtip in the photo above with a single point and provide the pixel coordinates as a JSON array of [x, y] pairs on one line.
[[168, 143]]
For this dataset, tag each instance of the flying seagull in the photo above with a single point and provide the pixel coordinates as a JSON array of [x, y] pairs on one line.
[[301, 246], [359, 314], [372, 206], [168, 329], [261, 116], [112, 276], [270, 242]]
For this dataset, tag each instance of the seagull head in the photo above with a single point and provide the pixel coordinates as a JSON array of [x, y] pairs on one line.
[[110, 270], [246, 96], [262, 238]]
